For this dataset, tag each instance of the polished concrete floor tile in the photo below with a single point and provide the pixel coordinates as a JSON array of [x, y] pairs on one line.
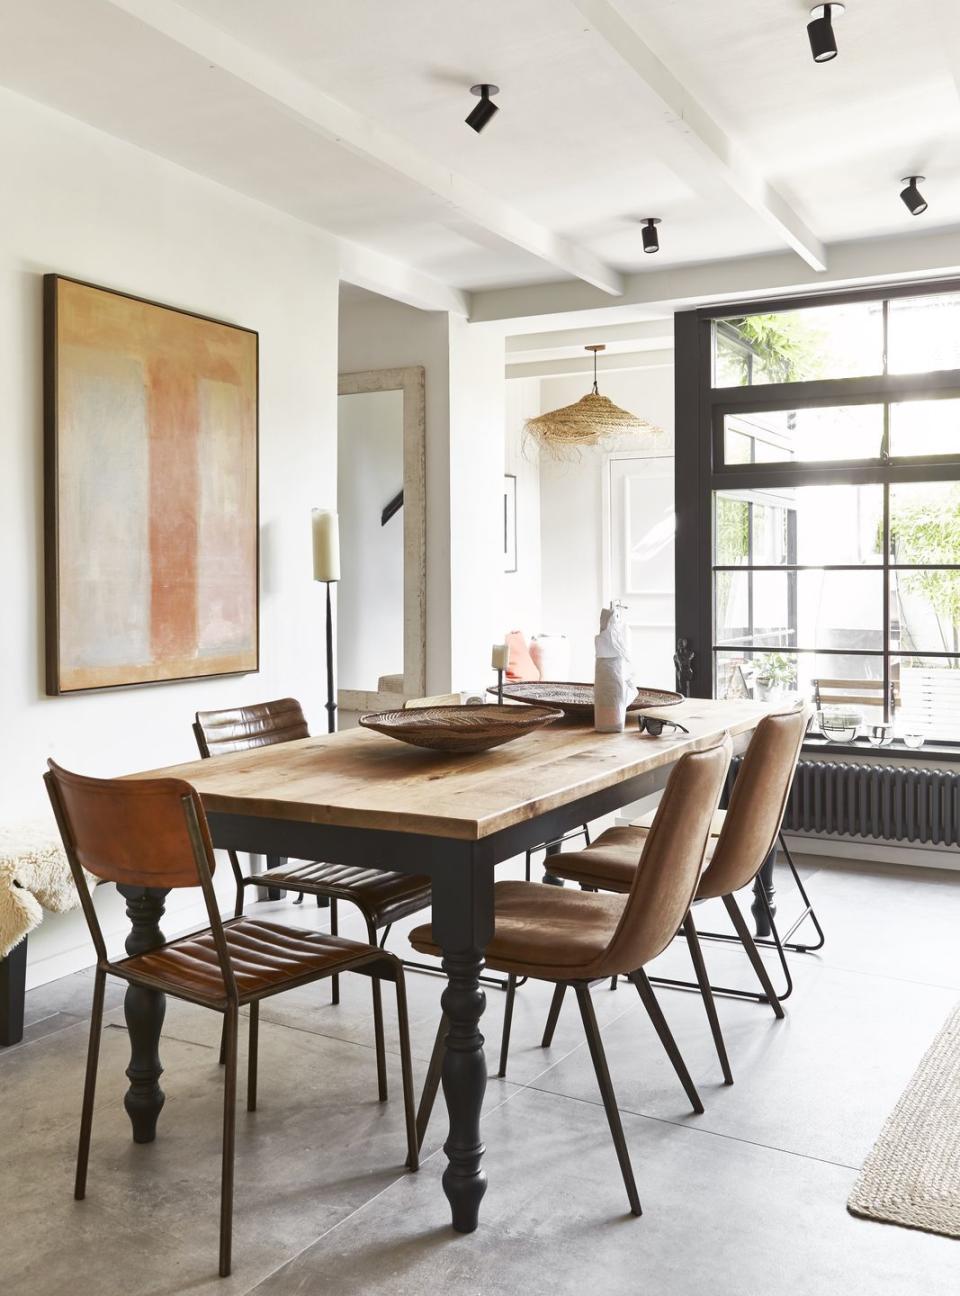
[[818, 1083], [720, 1216]]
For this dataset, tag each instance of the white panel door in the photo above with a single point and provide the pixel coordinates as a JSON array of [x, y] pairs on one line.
[[640, 528]]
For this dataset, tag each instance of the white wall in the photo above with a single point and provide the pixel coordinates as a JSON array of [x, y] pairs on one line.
[[82, 204], [522, 588], [370, 592], [571, 506]]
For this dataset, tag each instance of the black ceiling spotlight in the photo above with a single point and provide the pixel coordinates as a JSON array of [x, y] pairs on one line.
[[485, 110], [913, 199], [651, 239], [823, 42]]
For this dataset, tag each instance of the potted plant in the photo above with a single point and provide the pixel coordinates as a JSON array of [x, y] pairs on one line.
[[776, 676]]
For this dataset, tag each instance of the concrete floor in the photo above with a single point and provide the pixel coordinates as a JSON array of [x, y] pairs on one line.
[[747, 1199]]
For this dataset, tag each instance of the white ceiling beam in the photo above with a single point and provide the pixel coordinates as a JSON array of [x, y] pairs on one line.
[[365, 268], [654, 331], [862, 263], [364, 137], [700, 129], [584, 365]]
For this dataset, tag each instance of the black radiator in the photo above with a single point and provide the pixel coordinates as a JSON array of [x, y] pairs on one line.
[[889, 802]]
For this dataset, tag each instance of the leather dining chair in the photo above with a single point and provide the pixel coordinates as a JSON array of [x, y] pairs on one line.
[[573, 938], [742, 838], [382, 898], [153, 833]]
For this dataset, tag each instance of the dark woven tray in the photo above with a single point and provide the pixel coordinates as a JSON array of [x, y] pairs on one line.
[[577, 699], [460, 728]]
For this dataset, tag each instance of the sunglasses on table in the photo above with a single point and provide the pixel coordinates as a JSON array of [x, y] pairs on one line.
[[654, 726]]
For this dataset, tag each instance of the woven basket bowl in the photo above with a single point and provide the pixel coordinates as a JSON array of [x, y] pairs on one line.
[[576, 700], [460, 728]]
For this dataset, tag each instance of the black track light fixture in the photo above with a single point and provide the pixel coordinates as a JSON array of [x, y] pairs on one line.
[[913, 199], [651, 239], [823, 42], [485, 110]]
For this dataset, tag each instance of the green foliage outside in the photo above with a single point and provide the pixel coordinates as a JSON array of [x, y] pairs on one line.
[[783, 347], [929, 531]]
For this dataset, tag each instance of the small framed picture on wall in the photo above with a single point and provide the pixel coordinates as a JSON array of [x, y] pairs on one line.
[[509, 522]]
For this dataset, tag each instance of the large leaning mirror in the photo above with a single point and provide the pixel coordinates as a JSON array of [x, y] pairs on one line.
[[381, 489]]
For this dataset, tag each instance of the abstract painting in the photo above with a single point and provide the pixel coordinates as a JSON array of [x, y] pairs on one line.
[[151, 514]]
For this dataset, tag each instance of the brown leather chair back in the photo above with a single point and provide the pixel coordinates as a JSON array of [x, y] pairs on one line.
[[240, 728], [139, 833], [669, 868], [757, 803], [131, 831]]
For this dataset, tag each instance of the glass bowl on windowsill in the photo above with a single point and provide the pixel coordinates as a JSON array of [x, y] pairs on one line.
[[839, 724]]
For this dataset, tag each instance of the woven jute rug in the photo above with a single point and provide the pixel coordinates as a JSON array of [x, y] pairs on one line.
[[912, 1175]]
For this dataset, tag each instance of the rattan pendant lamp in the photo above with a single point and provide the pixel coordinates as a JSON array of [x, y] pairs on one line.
[[589, 421]]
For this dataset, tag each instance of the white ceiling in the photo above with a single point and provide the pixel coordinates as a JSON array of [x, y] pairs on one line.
[[350, 116]]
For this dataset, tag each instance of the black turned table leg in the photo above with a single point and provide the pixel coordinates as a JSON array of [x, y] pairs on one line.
[[763, 886], [272, 862], [144, 1012], [462, 926], [464, 1080], [549, 878]]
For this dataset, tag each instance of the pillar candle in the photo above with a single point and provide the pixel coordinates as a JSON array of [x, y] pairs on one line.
[[500, 657], [326, 546]]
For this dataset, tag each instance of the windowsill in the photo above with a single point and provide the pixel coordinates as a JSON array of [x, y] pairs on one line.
[[863, 747]]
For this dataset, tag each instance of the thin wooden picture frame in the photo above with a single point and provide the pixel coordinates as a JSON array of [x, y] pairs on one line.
[[62, 671]]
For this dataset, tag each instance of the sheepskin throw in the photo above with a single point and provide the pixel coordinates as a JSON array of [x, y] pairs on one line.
[[34, 875]]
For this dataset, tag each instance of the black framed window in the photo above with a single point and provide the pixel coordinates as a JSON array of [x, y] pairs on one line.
[[818, 503]]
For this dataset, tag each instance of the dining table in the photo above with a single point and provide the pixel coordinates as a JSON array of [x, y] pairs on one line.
[[359, 797]]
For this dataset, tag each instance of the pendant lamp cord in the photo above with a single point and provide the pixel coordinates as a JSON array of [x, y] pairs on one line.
[[595, 389]]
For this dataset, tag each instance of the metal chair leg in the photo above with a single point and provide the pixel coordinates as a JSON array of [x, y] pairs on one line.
[[377, 1021], [655, 1013], [406, 1073], [709, 1003], [808, 909], [554, 1014], [335, 931], [252, 1051], [90, 1085], [229, 1140], [753, 954], [595, 1044], [507, 1023], [432, 1082]]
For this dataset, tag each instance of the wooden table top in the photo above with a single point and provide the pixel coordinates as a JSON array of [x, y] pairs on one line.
[[362, 779]]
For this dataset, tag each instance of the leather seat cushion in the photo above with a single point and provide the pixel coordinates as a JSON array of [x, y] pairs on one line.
[[544, 931], [265, 957], [610, 862], [383, 897]]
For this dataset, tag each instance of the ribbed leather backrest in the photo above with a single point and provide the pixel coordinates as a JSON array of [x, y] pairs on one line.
[[757, 803], [241, 728], [672, 857], [131, 831]]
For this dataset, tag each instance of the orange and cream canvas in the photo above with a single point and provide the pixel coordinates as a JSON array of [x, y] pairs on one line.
[[151, 481]]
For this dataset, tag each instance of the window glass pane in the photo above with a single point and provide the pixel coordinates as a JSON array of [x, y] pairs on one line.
[[930, 427], [817, 434], [925, 610], [925, 522], [926, 693], [923, 334], [771, 676], [807, 609], [843, 341], [806, 526]]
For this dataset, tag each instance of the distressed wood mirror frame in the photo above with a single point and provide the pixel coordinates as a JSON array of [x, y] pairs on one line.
[[409, 380]]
